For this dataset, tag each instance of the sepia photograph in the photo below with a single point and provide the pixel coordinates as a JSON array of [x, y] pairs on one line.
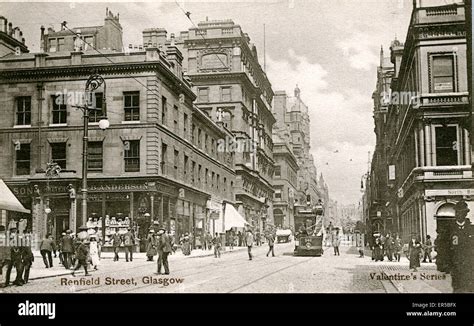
[[244, 147]]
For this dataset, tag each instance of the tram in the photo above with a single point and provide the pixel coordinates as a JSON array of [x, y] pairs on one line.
[[309, 226]]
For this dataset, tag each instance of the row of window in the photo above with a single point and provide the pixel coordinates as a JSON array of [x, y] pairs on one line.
[[59, 111], [290, 173], [192, 171], [95, 159], [225, 94]]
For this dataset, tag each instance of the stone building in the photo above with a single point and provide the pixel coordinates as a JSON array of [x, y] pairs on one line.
[[285, 177], [292, 112], [233, 89], [427, 138], [157, 159]]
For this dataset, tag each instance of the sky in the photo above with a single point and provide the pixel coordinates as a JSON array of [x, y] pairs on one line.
[[329, 48]]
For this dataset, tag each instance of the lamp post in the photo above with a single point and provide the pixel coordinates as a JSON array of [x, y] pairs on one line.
[[93, 83]]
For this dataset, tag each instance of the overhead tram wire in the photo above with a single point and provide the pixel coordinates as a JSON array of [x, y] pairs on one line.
[[188, 15]]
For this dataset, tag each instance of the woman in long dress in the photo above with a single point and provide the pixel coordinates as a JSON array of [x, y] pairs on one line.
[[94, 252], [151, 248]]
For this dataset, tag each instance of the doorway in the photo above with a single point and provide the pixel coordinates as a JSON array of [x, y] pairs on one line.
[[61, 225]]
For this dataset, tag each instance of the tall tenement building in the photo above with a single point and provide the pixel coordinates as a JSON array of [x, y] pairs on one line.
[[422, 162], [292, 117], [157, 160], [233, 89]]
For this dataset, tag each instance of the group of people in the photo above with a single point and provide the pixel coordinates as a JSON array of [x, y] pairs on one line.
[[18, 255]]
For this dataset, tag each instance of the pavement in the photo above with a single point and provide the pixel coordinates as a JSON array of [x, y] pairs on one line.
[[234, 273], [39, 271]]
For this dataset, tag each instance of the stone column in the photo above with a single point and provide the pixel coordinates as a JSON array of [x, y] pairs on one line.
[[428, 145], [421, 140]]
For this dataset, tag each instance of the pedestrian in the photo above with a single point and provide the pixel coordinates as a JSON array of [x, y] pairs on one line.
[[151, 245], [240, 238], [17, 262], [389, 247], [336, 242], [46, 247], [271, 243], [82, 254], [397, 248], [231, 240], [377, 250], [461, 250], [217, 243], [164, 249], [360, 244], [427, 249], [116, 243], [60, 249], [94, 251], [67, 248], [203, 242], [414, 249], [185, 244], [209, 241], [28, 259], [128, 242], [249, 239], [258, 238]]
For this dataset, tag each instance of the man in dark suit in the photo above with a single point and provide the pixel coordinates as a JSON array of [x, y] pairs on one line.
[[462, 236], [67, 248], [164, 249]]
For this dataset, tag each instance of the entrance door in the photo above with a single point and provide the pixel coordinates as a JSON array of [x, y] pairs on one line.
[[62, 224]]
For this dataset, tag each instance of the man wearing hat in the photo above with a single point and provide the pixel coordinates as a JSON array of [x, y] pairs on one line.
[[128, 242], [67, 248], [461, 242], [249, 239]]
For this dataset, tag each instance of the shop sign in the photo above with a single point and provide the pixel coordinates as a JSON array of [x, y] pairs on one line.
[[117, 187], [449, 192]]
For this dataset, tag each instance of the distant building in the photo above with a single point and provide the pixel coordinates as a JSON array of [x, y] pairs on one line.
[[292, 113], [232, 89]]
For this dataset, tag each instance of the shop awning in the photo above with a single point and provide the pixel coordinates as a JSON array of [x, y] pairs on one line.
[[232, 218], [8, 201]]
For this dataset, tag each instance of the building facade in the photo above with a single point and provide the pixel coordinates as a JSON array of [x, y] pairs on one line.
[[285, 178], [292, 113], [150, 164], [426, 130], [232, 89]]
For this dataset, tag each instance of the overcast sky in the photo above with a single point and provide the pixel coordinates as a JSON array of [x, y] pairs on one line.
[[329, 48]]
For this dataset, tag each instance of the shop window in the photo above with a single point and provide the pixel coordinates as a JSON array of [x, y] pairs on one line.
[[95, 156], [446, 146], [98, 113], [131, 105], [23, 159], [58, 154], [59, 109], [132, 155], [23, 110], [443, 73]]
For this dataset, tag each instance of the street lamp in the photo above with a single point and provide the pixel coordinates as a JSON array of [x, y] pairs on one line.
[[93, 83]]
